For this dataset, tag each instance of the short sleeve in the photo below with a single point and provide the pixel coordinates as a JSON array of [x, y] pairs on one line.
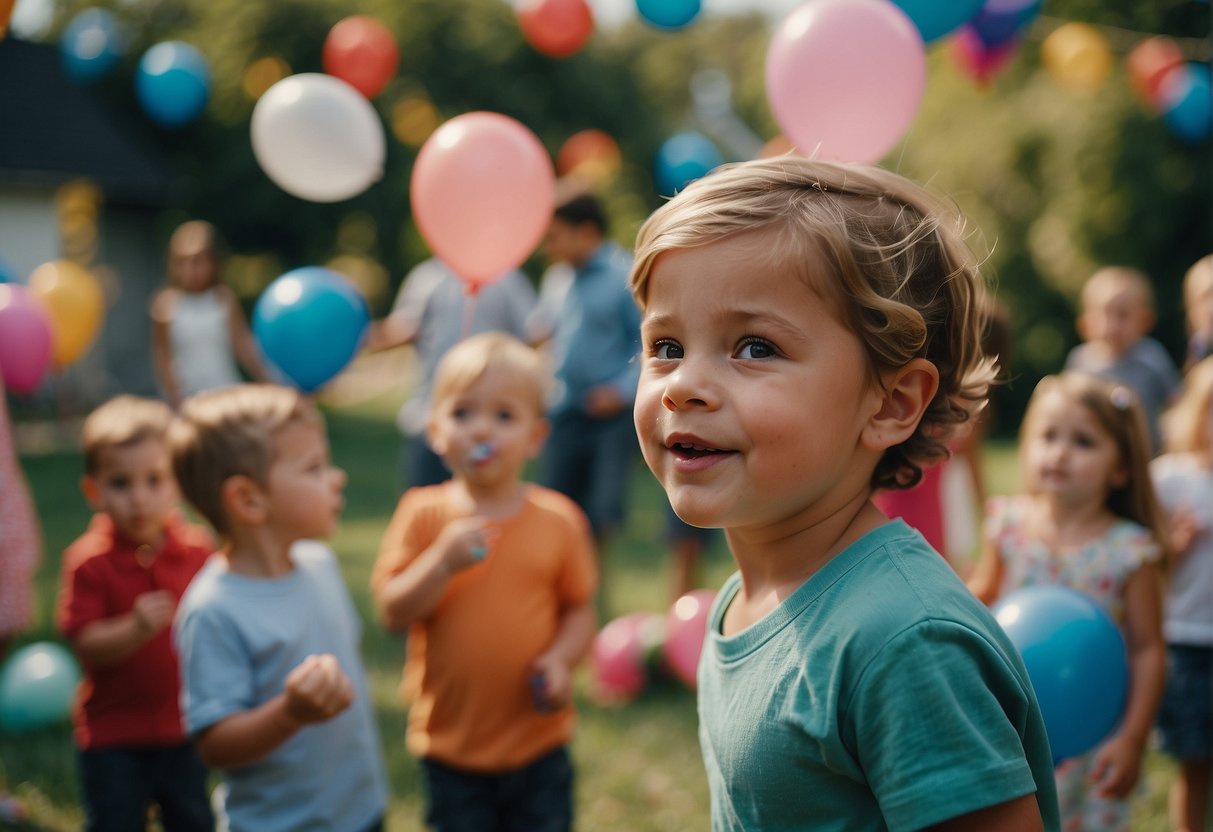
[[216, 676], [1134, 547], [401, 543], [937, 723], [579, 575]]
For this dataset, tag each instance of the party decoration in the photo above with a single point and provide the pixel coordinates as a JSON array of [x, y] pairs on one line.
[[977, 60], [1184, 97], [1148, 63], [318, 138], [619, 656], [686, 626], [309, 323], [1002, 21], [558, 28], [844, 77], [936, 18], [591, 154], [37, 685], [682, 159], [482, 193], [25, 339], [75, 304], [90, 45], [1077, 56], [173, 83], [668, 14], [362, 52], [1076, 661]]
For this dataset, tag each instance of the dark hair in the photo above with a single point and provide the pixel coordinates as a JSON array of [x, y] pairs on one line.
[[581, 209]]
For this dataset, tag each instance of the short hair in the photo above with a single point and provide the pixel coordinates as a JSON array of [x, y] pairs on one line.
[[896, 269], [229, 432], [493, 353], [582, 209], [122, 422], [1188, 423], [1109, 277]]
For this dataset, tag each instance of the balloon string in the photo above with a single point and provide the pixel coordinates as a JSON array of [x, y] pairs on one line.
[[469, 312]]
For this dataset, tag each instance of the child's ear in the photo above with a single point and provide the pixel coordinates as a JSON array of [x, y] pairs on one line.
[[92, 492], [435, 438], [907, 393], [539, 435], [243, 500]]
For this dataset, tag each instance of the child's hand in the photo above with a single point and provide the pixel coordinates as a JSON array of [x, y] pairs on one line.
[[1116, 767], [153, 611], [317, 690], [464, 542], [551, 683]]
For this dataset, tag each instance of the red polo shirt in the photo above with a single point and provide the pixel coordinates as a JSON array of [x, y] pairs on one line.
[[134, 702]]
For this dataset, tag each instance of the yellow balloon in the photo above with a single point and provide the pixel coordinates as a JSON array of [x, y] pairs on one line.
[[1077, 55], [75, 303]]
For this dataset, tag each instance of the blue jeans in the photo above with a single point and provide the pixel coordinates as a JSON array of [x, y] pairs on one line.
[[535, 798], [120, 783], [589, 461]]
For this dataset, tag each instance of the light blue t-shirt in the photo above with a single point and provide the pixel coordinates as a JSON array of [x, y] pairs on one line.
[[880, 695], [238, 638]]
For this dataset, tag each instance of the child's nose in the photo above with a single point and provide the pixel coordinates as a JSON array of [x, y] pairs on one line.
[[688, 387]]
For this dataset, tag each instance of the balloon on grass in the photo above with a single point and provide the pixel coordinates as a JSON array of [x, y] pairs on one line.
[[844, 78], [362, 52], [75, 304], [619, 656], [482, 193], [1076, 660], [686, 626], [173, 83], [90, 45], [683, 158], [668, 14], [37, 685], [318, 138], [557, 28], [310, 323], [26, 340]]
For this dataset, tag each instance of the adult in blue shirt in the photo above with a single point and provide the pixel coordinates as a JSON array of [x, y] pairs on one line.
[[595, 340]]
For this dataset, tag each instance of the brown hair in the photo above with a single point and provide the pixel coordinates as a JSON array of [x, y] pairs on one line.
[[896, 268], [229, 432], [493, 353], [121, 422]]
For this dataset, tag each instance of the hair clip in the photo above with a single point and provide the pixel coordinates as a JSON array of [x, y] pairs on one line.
[[1121, 397]]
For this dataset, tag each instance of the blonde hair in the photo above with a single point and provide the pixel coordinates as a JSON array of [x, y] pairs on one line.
[[1187, 425], [1110, 277], [121, 422], [497, 354], [1197, 280], [895, 266], [196, 235], [230, 432], [1119, 412]]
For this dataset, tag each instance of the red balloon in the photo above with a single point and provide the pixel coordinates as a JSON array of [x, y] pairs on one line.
[[556, 27], [482, 193], [590, 152], [977, 60], [362, 52], [686, 626], [1148, 64]]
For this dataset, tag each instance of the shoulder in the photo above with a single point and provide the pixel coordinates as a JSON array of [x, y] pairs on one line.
[[189, 537], [92, 547], [1132, 544], [163, 304], [555, 507]]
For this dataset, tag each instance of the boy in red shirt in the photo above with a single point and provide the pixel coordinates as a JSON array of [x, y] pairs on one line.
[[119, 588]]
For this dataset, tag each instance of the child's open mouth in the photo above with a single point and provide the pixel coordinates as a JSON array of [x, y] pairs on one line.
[[688, 451]]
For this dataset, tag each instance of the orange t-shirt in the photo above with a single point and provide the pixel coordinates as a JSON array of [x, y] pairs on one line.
[[467, 672]]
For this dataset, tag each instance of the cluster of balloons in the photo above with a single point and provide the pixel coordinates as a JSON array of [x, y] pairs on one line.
[[49, 323], [173, 80], [1076, 660], [1177, 90], [630, 651], [37, 685]]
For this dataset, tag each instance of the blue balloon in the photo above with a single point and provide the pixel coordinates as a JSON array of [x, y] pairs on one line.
[[1190, 114], [936, 18], [1076, 660], [310, 323], [7, 273], [668, 14], [91, 45], [682, 159], [37, 686], [173, 83]]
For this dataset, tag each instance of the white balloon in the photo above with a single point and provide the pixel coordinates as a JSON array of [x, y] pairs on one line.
[[318, 138]]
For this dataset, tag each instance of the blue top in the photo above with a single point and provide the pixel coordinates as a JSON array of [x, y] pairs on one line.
[[879, 695], [597, 333], [238, 638]]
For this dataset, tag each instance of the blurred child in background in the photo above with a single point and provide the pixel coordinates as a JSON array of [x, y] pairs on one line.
[[1089, 520], [199, 331], [1184, 479], [121, 583], [1198, 304], [275, 694], [494, 580], [810, 334], [1116, 314]]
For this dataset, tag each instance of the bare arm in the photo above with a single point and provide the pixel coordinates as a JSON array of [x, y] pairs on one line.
[[393, 331], [986, 578], [574, 635], [413, 594], [162, 351], [243, 343], [108, 641], [1019, 815]]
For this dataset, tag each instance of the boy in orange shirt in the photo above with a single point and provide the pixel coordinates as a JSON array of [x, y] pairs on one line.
[[121, 582], [494, 579]]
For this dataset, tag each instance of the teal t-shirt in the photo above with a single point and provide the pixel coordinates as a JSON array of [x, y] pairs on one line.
[[880, 695]]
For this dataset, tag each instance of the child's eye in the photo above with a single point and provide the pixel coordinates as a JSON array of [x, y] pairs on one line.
[[667, 350], [505, 416], [460, 413], [755, 348]]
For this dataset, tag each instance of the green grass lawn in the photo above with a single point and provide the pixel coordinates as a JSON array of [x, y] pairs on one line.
[[638, 764]]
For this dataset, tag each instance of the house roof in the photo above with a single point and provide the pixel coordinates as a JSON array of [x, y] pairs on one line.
[[53, 130]]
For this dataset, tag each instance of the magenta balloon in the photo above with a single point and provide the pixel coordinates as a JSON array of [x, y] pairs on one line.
[[482, 191], [686, 626], [845, 77], [26, 339]]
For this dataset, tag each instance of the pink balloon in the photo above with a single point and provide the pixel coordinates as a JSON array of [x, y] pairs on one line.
[[845, 77], [686, 626], [482, 192], [618, 656], [26, 340]]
